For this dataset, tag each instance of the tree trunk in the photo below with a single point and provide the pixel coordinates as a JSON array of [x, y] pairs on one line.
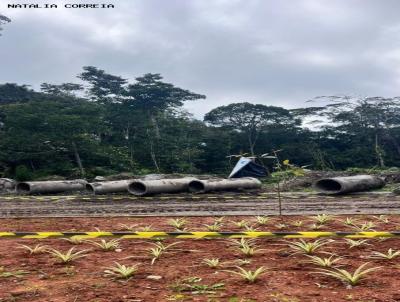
[[152, 153], [251, 145], [153, 120], [378, 151], [78, 159], [153, 156]]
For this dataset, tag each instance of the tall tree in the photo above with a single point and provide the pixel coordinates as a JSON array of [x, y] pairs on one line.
[[63, 90], [39, 131], [103, 87], [250, 119], [152, 97], [14, 93], [358, 123]]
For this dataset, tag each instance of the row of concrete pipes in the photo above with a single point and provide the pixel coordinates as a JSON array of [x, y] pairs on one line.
[[139, 187], [331, 186]]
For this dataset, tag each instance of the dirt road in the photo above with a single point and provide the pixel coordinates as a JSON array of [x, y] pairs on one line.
[[197, 205]]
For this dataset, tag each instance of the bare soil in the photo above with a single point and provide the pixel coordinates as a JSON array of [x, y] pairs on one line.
[[288, 277]]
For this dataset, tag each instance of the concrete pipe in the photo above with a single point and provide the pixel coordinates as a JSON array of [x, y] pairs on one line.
[[348, 184], [45, 187], [148, 187], [7, 185], [201, 186], [105, 187]]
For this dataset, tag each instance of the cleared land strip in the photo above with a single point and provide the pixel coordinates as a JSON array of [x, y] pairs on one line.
[[246, 204]]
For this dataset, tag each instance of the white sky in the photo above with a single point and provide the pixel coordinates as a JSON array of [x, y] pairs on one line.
[[280, 52]]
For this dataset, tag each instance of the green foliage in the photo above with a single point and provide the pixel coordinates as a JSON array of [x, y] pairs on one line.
[[307, 248], [22, 173], [68, 256], [323, 262], [347, 277], [37, 249], [8, 274], [250, 120], [121, 271], [248, 275], [140, 127]]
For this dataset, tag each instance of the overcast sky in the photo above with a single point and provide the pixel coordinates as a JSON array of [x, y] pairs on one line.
[[271, 52]]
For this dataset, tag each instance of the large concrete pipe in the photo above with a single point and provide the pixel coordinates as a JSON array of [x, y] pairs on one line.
[[348, 184], [104, 187], [7, 185], [201, 186], [148, 187], [45, 187]]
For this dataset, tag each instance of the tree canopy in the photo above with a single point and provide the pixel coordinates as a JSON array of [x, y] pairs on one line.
[[107, 124]]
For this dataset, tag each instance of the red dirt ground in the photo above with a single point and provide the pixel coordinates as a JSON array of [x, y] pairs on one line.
[[288, 278]]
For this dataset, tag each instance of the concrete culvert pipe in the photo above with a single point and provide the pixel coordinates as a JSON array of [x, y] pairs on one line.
[[201, 186], [149, 187], [106, 187], [348, 184], [47, 187]]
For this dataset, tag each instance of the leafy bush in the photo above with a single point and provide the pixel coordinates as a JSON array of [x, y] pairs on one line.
[[22, 173]]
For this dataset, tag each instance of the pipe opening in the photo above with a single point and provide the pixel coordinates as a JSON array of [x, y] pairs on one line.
[[23, 187], [196, 186], [328, 185], [137, 188], [89, 188]]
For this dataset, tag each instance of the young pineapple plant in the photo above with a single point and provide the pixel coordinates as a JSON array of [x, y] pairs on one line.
[[215, 227], [304, 247], [105, 245], [323, 262], [219, 219], [243, 262], [365, 227], [347, 277], [146, 228], [37, 249], [155, 253], [297, 223], [212, 263], [248, 275], [322, 218], [250, 228], [382, 218], [243, 242], [248, 248], [75, 240], [249, 251], [127, 227], [159, 249], [315, 226], [67, 257], [281, 226], [262, 220], [349, 221], [356, 243], [240, 224], [120, 271], [178, 223], [389, 255], [164, 247]]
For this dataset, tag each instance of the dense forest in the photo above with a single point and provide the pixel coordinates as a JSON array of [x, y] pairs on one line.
[[107, 125]]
